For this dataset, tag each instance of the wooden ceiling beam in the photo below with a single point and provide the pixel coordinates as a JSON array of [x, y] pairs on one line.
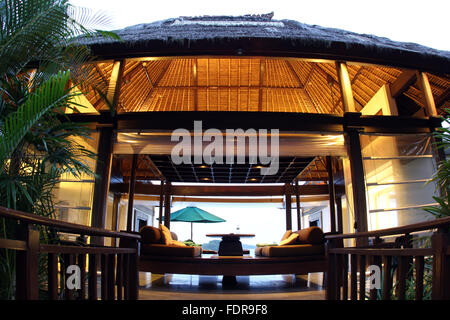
[[443, 97], [261, 82], [154, 168], [427, 94], [403, 82], [346, 87], [236, 191], [195, 77], [101, 74], [304, 199], [308, 78], [115, 83]]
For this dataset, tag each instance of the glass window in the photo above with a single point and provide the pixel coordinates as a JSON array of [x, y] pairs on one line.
[[397, 172]]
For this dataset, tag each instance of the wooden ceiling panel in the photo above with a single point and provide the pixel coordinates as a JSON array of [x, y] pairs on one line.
[[249, 84]]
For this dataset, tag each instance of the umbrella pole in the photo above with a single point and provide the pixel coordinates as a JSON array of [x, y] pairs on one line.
[[191, 231]]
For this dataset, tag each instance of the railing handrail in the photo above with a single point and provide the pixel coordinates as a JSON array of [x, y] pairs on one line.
[[421, 226], [64, 226]]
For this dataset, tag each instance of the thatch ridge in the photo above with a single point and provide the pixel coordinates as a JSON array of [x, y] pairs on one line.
[[278, 36]]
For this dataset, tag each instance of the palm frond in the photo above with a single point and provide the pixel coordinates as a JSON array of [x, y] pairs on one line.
[[51, 94]]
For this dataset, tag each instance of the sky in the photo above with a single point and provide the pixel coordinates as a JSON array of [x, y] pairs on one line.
[[419, 21], [266, 221]]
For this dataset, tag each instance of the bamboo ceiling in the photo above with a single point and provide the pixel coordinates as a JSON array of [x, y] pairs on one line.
[[252, 84]]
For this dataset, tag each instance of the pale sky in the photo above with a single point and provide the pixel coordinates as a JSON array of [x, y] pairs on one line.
[[419, 21]]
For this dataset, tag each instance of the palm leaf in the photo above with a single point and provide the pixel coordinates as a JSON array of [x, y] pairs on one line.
[[51, 94]]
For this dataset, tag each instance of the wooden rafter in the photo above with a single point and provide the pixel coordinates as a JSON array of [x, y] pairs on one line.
[[403, 82], [440, 100]]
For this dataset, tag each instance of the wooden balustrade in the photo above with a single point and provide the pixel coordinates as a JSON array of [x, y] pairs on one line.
[[399, 263], [118, 266]]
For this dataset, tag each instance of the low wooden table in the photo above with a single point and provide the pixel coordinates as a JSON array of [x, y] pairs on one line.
[[230, 246]]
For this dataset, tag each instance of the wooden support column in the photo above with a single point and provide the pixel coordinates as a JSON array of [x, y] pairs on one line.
[[161, 202], [104, 156], [358, 183], [288, 203], [440, 242], [428, 99], [345, 86], [116, 214], [131, 189], [297, 204], [195, 76], [340, 225], [115, 83], [101, 185], [167, 203], [332, 194], [27, 266]]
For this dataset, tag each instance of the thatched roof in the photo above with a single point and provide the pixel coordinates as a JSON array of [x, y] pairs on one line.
[[261, 35]]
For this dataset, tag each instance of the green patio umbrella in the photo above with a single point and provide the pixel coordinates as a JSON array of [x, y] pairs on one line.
[[194, 215]]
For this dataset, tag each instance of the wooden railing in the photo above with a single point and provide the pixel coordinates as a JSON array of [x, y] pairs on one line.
[[401, 264], [118, 266]]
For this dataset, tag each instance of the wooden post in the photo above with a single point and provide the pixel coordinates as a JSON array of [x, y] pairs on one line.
[[101, 186], [440, 242], [331, 277], [332, 194], [92, 281], [161, 202], [131, 267], [53, 276], [340, 224], [132, 186], [345, 86], [27, 267], [82, 265], [288, 202], [116, 214], [358, 183], [111, 276], [297, 200], [115, 83], [428, 99], [167, 203]]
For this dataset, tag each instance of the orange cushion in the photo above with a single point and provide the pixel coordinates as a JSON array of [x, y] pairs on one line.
[[311, 235], [178, 243], [150, 234], [166, 235], [286, 235], [292, 239]]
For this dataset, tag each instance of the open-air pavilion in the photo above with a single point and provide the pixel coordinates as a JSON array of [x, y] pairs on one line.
[[355, 114]]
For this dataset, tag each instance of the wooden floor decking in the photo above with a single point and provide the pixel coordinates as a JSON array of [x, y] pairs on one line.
[[194, 287]]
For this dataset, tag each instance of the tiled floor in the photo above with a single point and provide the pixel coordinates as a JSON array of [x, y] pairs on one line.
[[192, 287]]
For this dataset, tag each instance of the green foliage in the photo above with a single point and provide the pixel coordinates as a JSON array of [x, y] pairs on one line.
[[442, 175], [191, 243], [51, 94], [41, 62]]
